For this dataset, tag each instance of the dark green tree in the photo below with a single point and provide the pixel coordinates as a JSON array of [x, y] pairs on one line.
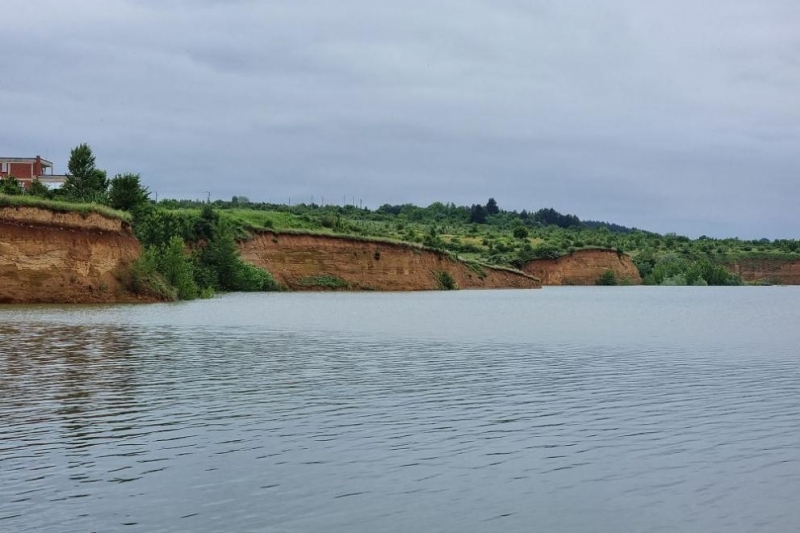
[[127, 193], [85, 182], [491, 207], [477, 214]]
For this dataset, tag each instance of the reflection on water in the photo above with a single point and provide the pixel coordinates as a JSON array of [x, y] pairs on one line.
[[548, 410]]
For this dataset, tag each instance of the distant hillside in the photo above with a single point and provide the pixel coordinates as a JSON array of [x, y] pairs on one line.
[[490, 234]]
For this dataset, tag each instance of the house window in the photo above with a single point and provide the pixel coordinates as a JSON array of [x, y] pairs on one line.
[[3, 167]]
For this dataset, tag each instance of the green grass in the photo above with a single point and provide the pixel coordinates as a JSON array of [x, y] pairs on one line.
[[62, 207], [269, 219]]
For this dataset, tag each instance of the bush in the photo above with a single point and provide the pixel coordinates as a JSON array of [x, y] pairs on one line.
[[445, 282], [546, 251], [144, 279], [324, 281], [609, 277], [39, 189], [10, 186], [172, 262], [675, 281]]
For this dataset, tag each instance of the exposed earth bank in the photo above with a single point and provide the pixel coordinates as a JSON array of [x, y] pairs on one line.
[[53, 257], [774, 271], [321, 262], [584, 267]]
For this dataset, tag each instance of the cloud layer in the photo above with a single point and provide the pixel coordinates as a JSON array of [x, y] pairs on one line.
[[671, 116]]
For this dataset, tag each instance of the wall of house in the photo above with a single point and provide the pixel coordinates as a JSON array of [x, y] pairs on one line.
[[21, 170]]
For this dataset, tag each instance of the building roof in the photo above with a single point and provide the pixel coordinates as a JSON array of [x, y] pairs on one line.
[[45, 162]]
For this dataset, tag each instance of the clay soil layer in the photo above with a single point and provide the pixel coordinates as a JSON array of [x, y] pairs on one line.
[[321, 262], [775, 271], [584, 267], [48, 257]]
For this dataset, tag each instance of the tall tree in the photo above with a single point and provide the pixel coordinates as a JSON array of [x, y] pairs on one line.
[[85, 182], [127, 193], [491, 207], [477, 214]]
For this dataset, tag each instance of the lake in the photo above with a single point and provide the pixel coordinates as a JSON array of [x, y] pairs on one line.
[[561, 410]]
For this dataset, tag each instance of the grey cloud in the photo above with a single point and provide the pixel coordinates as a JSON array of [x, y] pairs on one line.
[[667, 116]]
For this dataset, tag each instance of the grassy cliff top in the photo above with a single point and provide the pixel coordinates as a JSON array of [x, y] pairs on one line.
[[62, 207]]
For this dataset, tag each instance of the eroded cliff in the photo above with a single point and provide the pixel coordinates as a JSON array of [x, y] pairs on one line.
[[319, 262], [584, 267], [53, 257], [767, 270]]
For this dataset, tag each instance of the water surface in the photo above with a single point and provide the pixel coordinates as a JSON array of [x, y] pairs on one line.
[[566, 409]]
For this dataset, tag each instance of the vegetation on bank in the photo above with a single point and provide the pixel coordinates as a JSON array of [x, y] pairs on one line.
[[60, 206], [186, 254], [488, 234], [481, 234]]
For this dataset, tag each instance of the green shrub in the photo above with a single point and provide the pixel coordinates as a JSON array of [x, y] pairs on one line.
[[176, 267], [445, 282], [145, 280], [39, 189], [10, 186], [546, 251], [675, 281], [609, 277], [324, 281]]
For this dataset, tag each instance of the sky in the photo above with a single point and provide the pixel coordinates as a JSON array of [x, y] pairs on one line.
[[668, 115]]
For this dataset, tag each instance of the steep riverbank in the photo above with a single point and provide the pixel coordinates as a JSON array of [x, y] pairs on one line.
[[64, 257], [767, 270], [584, 267], [320, 262]]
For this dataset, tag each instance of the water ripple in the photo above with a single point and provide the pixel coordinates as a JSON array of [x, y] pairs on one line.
[[129, 424]]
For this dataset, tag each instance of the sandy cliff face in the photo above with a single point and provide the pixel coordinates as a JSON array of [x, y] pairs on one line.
[[300, 261], [583, 267], [777, 271], [50, 257]]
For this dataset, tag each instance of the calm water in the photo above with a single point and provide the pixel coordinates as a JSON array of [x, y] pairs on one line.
[[566, 409]]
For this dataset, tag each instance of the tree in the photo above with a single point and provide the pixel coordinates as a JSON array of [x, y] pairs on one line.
[[520, 232], [477, 214], [491, 207], [126, 192], [85, 182]]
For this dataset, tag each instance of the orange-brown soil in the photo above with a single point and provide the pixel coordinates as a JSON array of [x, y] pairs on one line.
[[49, 257], [299, 261], [776, 271], [584, 267]]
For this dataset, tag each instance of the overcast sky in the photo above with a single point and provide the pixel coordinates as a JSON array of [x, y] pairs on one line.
[[669, 115]]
